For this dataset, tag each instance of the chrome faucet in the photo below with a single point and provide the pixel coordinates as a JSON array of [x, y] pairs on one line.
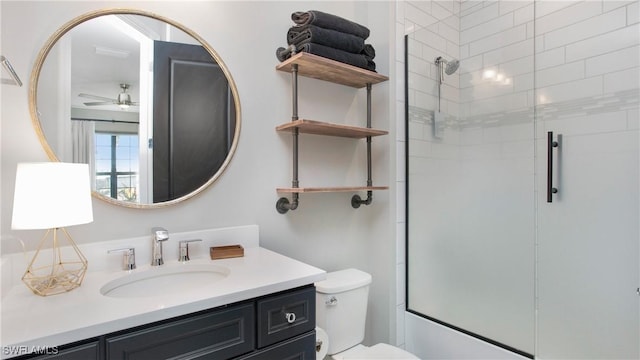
[[159, 235]]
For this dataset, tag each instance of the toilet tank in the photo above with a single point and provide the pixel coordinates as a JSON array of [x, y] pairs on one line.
[[341, 308]]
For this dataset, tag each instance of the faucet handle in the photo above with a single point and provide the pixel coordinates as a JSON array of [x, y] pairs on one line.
[[184, 249], [129, 257]]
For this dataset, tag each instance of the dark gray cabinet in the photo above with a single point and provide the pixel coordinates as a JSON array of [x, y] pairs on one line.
[[276, 326], [220, 334], [286, 315], [299, 348], [77, 351]]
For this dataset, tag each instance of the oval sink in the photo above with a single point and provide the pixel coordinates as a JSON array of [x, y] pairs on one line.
[[163, 280]]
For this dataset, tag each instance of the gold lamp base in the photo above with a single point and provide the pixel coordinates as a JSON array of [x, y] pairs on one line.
[[65, 271]]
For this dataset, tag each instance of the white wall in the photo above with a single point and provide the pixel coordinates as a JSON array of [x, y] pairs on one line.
[[324, 231]]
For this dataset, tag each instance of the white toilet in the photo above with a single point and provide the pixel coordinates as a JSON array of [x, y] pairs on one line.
[[341, 312]]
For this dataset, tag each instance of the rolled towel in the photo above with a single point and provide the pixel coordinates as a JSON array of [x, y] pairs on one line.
[[284, 53], [329, 21], [358, 60], [300, 35], [369, 51]]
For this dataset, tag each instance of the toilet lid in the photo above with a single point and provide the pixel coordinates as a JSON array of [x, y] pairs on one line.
[[378, 351]]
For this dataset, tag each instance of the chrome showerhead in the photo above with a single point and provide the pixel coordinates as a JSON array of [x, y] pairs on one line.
[[452, 66], [449, 66]]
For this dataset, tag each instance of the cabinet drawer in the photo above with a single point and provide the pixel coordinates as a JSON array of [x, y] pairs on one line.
[[86, 351], [286, 315], [218, 334], [300, 348]]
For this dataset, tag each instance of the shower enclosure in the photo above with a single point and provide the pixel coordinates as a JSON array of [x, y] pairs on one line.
[[523, 175]]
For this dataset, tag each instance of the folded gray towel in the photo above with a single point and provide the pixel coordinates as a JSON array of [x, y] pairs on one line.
[[369, 51], [359, 60], [300, 35], [329, 21]]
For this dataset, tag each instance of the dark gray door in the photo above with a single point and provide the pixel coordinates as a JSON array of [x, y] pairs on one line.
[[191, 120]]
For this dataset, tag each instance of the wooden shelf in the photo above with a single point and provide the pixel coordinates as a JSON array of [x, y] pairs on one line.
[[323, 128], [321, 68], [330, 189]]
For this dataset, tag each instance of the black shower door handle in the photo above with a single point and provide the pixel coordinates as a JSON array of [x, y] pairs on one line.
[[550, 145]]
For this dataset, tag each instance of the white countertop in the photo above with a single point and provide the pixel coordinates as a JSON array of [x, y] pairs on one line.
[[31, 321]]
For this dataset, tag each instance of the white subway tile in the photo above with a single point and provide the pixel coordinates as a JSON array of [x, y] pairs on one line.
[[453, 50], [507, 6], [426, 85], [425, 101], [633, 119], [440, 11], [431, 39], [484, 14], [491, 27], [470, 64], [614, 61], [586, 29], [464, 51], [547, 7], [453, 21], [473, 7], [549, 58], [602, 44], [560, 74], [570, 91], [622, 80], [539, 43], [418, 66], [613, 4], [449, 33], [567, 16], [424, 6], [487, 89], [524, 14], [430, 54], [530, 30], [417, 16], [590, 124], [508, 53], [499, 40], [518, 66], [509, 102], [633, 13], [523, 82]]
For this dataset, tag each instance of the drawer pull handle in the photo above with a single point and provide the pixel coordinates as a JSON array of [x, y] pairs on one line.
[[291, 317]]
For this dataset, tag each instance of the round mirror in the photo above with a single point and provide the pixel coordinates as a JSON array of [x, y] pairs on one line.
[[146, 102]]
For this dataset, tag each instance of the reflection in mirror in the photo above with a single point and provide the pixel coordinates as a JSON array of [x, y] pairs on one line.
[[144, 101]]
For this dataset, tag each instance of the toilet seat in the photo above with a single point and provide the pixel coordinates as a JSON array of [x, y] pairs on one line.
[[378, 351]]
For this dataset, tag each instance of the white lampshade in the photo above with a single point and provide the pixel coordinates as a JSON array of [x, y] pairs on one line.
[[51, 195]]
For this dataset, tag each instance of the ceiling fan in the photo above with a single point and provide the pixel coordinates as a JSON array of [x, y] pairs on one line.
[[123, 100]]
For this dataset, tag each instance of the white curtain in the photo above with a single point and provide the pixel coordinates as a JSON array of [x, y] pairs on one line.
[[83, 149]]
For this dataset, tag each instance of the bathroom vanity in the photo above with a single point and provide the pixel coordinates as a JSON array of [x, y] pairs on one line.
[[262, 307]]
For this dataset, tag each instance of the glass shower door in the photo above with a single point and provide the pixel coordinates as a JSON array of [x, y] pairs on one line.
[[546, 96], [588, 258], [471, 200]]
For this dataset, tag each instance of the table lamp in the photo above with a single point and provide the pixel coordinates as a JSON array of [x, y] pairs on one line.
[[51, 196]]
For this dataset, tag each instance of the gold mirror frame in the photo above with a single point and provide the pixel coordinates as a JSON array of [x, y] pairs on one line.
[[33, 97]]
